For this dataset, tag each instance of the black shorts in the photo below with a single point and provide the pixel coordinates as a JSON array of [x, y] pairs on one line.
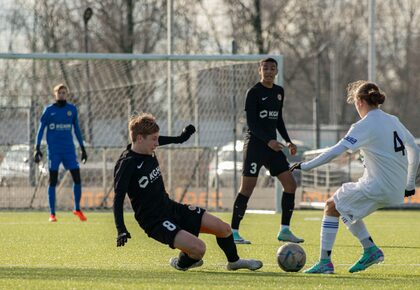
[[181, 217], [257, 153]]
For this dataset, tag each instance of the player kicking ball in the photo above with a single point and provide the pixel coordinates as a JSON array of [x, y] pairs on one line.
[[391, 160], [137, 173]]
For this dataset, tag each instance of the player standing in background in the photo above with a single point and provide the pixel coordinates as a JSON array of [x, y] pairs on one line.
[[60, 119], [391, 159], [264, 104], [137, 173]]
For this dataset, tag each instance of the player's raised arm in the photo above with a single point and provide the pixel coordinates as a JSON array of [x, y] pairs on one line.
[[323, 158], [186, 133]]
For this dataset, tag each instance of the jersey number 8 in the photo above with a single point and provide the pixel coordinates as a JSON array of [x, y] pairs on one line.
[[170, 226]]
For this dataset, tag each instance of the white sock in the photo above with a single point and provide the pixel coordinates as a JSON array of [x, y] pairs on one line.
[[284, 227], [329, 229], [359, 230]]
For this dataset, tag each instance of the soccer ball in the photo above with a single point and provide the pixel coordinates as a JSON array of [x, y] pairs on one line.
[[291, 257]]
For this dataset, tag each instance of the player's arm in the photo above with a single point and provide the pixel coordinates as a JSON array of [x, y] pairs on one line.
[[413, 152], [79, 137], [122, 176], [185, 135], [281, 127], [321, 159], [40, 134], [252, 117]]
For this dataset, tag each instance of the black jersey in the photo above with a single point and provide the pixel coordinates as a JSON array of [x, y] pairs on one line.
[[263, 108], [139, 175]]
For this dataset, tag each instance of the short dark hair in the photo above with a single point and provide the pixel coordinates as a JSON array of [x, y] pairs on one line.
[[268, 59]]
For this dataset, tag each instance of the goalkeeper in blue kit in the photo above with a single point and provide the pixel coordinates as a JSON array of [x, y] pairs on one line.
[[60, 119]]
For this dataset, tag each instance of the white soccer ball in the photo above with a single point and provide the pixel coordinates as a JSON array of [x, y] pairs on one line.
[[291, 257]]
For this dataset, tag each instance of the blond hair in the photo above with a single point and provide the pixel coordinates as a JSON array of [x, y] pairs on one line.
[[60, 86], [143, 124]]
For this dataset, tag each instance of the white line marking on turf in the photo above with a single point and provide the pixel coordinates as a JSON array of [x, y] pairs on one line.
[[260, 211]]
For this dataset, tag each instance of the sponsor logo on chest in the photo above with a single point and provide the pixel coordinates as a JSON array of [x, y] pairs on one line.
[[153, 176], [59, 126], [269, 114]]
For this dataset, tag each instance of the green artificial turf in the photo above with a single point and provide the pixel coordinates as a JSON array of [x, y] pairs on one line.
[[69, 254]]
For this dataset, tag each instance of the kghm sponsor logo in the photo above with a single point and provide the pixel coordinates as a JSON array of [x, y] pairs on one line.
[[263, 114], [269, 114], [144, 180], [61, 127], [154, 174]]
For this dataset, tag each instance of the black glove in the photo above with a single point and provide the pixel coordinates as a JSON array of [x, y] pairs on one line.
[[409, 192], [295, 166], [187, 132], [37, 155], [122, 238], [84, 155]]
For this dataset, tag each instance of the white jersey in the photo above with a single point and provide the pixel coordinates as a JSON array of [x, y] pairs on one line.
[[381, 138]]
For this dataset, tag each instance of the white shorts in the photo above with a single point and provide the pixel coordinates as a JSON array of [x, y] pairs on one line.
[[353, 204]]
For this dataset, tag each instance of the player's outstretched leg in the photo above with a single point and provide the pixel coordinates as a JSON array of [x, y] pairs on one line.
[[370, 256], [323, 266]]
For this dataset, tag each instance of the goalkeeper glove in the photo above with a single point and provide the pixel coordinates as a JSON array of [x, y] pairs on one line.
[[84, 155], [37, 155], [409, 192], [295, 166], [122, 238], [187, 132]]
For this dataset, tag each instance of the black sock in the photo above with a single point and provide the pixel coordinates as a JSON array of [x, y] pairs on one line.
[[287, 206], [185, 261], [228, 246], [239, 208]]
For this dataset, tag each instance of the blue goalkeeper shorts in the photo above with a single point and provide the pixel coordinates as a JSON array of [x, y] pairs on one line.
[[69, 161]]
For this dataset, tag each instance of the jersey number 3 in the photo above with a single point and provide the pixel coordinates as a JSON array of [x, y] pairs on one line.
[[398, 144]]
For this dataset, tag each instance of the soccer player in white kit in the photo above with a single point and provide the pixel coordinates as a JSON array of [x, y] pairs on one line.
[[391, 159]]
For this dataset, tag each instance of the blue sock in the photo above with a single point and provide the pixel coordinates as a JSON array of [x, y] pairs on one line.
[[51, 198], [77, 189]]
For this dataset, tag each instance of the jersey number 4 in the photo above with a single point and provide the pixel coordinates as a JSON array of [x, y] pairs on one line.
[[398, 144]]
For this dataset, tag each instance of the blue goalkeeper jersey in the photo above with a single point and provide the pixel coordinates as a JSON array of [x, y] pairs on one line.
[[60, 122]]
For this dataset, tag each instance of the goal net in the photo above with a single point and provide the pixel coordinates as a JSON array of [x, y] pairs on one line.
[[207, 91]]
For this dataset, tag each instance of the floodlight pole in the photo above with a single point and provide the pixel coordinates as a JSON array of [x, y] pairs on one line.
[[87, 15]]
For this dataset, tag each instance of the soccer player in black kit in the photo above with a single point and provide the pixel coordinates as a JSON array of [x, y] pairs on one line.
[[137, 173], [264, 104]]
